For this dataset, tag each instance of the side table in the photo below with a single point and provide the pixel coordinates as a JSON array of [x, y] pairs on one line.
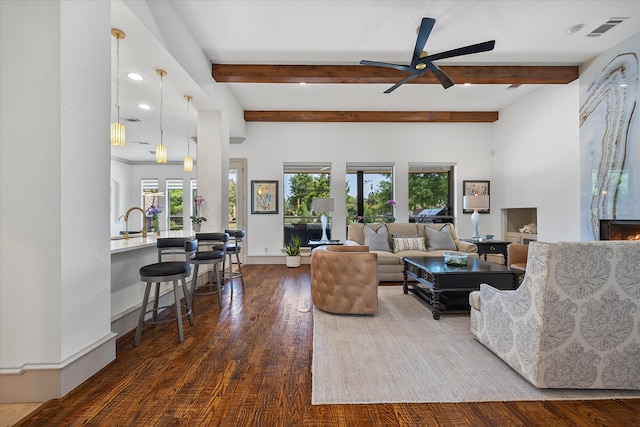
[[490, 247], [315, 243]]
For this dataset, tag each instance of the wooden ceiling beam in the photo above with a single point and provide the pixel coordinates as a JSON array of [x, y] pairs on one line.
[[362, 74], [373, 116]]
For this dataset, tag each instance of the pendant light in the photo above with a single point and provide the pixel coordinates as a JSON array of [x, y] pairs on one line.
[[188, 161], [161, 149], [117, 128]]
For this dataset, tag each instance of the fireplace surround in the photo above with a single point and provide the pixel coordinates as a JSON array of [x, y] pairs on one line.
[[620, 229]]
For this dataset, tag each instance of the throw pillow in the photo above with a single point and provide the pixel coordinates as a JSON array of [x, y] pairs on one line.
[[440, 240], [377, 240], [408, 244]]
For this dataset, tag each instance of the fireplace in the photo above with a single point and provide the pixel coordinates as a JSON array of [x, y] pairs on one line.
[[620, 229]]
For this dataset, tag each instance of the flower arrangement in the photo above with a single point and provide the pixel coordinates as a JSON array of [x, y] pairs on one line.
[[197, 219], [392, 203], [152, 212]]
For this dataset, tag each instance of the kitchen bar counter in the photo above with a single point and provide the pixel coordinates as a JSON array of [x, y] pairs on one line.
[[127, 256], [136, 241]]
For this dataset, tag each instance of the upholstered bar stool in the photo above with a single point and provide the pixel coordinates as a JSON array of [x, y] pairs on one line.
[[233, 249], [207, 254], [167, 271]]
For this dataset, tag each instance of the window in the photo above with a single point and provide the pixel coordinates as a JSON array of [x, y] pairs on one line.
[[369, 189], [431, 192], [302, 183], [175, 206]]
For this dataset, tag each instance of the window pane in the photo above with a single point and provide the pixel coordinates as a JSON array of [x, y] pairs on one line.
[[369, 193], [430, 193], [302, 184], [176, 202]]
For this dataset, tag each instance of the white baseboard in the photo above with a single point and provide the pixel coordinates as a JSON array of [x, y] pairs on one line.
[[42, 382]]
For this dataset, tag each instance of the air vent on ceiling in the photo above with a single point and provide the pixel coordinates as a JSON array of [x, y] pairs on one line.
[[513, 86], [612, 22], [132, 120]]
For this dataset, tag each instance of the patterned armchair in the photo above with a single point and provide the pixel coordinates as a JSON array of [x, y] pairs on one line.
[[574, 322]]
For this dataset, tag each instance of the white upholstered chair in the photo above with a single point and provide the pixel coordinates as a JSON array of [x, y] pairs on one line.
[[573, 323]]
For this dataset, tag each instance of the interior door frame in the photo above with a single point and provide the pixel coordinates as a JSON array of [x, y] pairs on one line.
[[241, 203]]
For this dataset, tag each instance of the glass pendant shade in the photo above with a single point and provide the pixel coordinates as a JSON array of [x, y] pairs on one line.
[[188, 164], [161, 153], [117, 134], [117, 128]]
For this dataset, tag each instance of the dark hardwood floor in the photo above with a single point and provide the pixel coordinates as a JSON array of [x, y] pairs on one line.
[[249, 364]]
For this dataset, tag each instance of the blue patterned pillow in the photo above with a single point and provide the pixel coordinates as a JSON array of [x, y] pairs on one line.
[[377, 240]]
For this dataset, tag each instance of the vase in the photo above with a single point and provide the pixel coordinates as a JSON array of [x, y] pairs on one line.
[[196, 227], [156, 224], [293, 261]]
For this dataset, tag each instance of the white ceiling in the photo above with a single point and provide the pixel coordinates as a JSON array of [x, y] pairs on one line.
[[342, 33]]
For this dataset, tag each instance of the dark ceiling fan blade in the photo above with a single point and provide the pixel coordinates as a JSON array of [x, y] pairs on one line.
[[406, 79], [467, 50], [444, 80], [423, 34], [387, 65]]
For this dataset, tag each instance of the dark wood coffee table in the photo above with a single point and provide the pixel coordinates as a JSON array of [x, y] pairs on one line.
[[446, 287]]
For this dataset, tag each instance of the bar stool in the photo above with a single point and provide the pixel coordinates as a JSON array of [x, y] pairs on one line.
[[165, 271], [210, 256], [234, 249]]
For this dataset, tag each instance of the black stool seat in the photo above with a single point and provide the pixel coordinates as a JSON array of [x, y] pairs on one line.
[[213, 255], [167, 271], [208, 255], [168, 268]]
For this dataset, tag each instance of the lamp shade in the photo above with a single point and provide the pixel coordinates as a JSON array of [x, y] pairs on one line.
[[476, 202], [322, 204]]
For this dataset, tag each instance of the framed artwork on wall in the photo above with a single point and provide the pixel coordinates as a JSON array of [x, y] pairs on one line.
[[476, 188], [264, 197]]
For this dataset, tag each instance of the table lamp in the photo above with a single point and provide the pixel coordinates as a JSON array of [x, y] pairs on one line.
[[323, 205], [476, 202]]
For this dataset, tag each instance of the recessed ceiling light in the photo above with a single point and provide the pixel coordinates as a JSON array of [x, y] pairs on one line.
[[573, 29], [302, 83], [144, 107], [467, 84], [135, 76]]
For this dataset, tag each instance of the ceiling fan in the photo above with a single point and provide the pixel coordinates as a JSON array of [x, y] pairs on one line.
[[421, 61]]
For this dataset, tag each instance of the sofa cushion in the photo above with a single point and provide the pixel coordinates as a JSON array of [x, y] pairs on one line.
[[408, 243], [377, 240], [440, 240]]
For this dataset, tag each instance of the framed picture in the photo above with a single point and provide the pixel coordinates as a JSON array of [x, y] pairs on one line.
[[264, 197], [476, 187]]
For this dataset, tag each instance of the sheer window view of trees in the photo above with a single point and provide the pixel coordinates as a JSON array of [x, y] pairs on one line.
[[376, 192], [429, 195], [301, 189]]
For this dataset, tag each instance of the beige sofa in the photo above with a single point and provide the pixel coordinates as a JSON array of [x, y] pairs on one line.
[[436, 240]]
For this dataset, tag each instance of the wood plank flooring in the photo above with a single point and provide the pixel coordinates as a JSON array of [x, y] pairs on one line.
[[249, 364]]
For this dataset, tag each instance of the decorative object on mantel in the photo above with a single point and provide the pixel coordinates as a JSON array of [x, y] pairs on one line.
[[161, 149], [293, 251], [117, 128], [196, 219], [323, 205], [188, 161], [529, 228], [152, 212]]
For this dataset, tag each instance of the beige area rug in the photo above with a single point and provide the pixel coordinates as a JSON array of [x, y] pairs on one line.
[[403, 355]]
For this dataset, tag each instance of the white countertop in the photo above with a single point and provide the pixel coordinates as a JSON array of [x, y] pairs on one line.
[[138, 242]]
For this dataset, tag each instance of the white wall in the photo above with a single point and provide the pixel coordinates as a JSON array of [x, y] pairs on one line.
[[268, 145], [55, 254], [536, 162]]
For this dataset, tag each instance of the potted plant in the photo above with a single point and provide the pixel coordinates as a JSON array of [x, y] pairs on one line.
[[293, 252], [196, 219]]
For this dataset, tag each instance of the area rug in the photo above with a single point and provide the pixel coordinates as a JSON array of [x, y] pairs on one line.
[[403, 355]]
